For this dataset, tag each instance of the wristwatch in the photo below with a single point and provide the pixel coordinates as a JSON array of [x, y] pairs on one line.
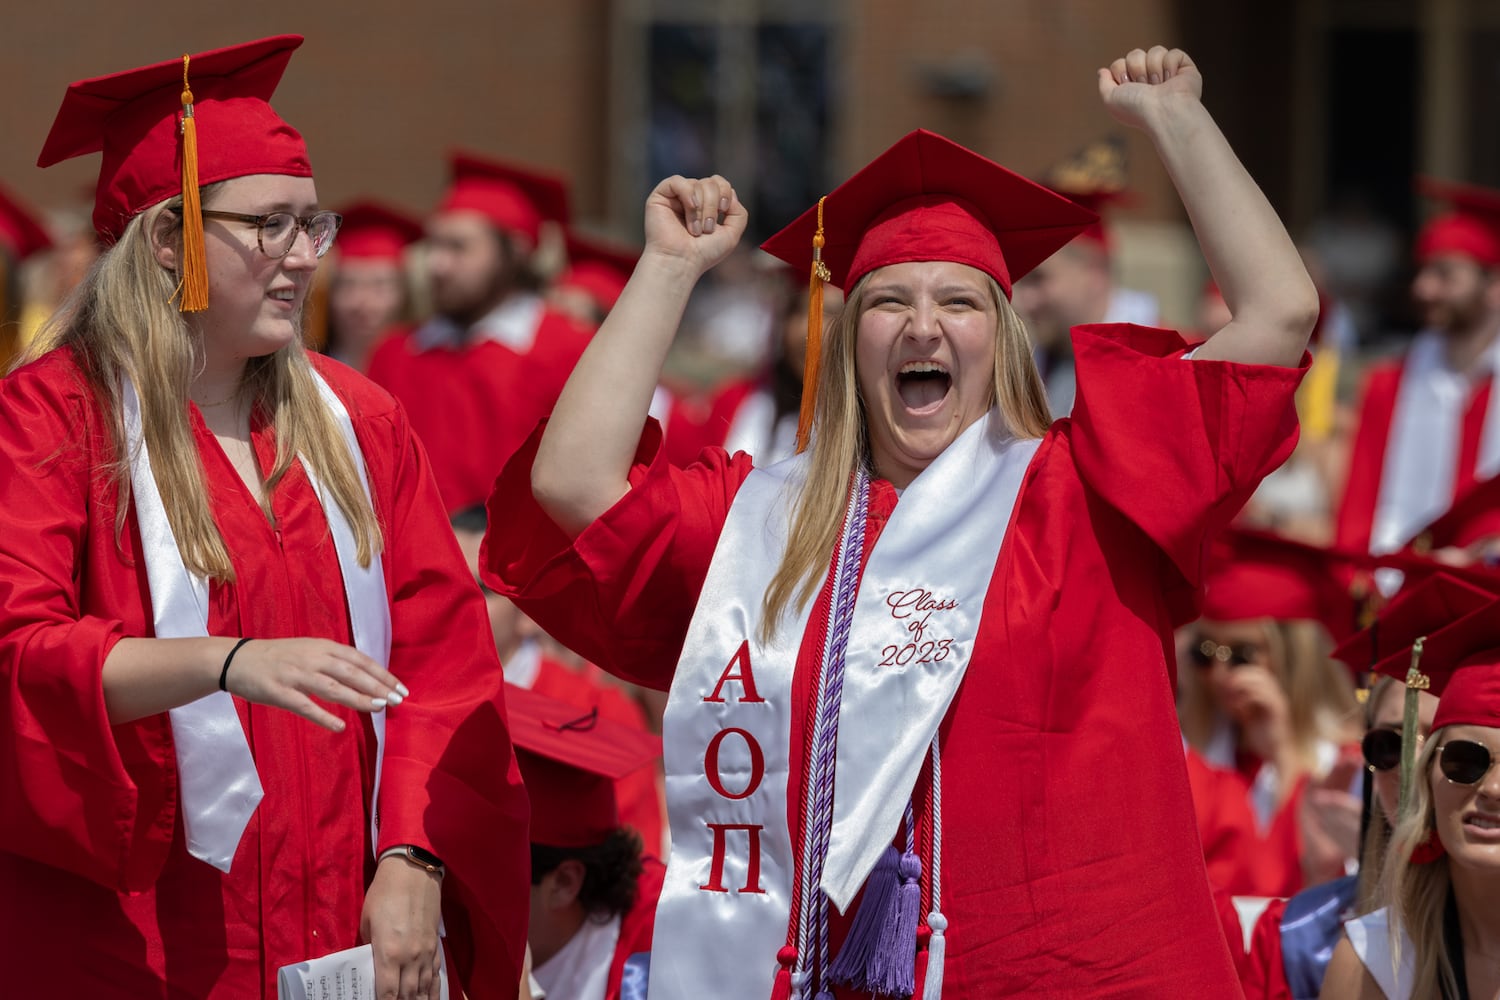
[[419, 856]]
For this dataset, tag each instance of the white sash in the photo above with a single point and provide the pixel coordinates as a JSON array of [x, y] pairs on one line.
[[1371, 937], [950, 521], [1421, 455], [219, 788]]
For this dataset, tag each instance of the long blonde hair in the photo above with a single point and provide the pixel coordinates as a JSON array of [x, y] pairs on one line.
[[1418, 894], [840, 442], [1373, 852], [120, 323]]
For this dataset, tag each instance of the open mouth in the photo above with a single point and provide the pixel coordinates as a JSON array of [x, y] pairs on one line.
[[1485, 824], [923, 384]]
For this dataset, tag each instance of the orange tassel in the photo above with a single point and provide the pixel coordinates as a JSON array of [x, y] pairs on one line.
[[192, 291], [814, 335]]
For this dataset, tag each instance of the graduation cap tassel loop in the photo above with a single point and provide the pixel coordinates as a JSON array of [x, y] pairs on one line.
[[192, 291], [1416, 682], [816, 280]]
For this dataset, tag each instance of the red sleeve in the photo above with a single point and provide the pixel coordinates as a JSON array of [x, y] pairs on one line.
[[73, 796], [449, 781], [622, 593], [1226, 826], [1263, 976], [1356, 513], [1176, 446]]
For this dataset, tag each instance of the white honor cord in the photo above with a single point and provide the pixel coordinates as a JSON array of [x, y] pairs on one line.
[[932, 985]]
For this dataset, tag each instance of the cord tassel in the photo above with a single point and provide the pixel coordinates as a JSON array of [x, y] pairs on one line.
[[810, 370], [932, 984], [876, 907], [192, 290], [1416, 682]]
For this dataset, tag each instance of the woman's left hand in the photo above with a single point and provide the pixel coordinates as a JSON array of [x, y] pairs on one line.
[[400, 920], [1136, 85]]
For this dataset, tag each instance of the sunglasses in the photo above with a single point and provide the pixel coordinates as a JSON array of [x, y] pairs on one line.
[[1208, 653], [1382, 749], [1464, 762]]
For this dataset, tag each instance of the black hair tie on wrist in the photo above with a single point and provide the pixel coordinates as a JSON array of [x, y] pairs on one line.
[[224, 674]]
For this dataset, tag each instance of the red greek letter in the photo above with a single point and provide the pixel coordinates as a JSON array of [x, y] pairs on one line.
[[745, 676], [711, 764], [752, 858]]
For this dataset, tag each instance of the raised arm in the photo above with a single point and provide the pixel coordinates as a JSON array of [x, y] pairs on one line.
[[584, 456], [1270, 296]]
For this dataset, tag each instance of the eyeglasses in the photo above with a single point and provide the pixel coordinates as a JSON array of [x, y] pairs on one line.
[[1464, 762], [1207, 653], [276, 232], [1382, 749]]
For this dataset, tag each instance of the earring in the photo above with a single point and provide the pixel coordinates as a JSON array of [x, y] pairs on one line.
[[1429, 850]]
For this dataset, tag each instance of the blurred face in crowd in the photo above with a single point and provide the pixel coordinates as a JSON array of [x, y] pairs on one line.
[[1230, 657], [1454, 293], [366, 299], [1387, 717], [924, 357], [1468, 816], [1069, 288], [468, 265]]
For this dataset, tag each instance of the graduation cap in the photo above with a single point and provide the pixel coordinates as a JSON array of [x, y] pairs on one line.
[[598, 268], [1094, 177], [373, 230], [1471, 226], [570, 759], [173, 127], [513, 198], [1259, 574], [21, 234], [1474, 515], [925, 198], [1441, 635]]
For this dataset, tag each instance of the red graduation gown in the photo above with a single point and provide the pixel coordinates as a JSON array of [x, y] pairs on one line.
[[636, 926], [98, 895], [636, 795], [473, 404], [1243, 859], [1264, 976], [1356, 514], [697, 422], [1070, 862]]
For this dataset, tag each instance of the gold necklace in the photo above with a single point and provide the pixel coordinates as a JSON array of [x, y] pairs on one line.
[[232, 397]]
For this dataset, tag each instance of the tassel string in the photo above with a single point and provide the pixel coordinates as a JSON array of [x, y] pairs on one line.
[[1416, 682], [816, 279], [192, 288]]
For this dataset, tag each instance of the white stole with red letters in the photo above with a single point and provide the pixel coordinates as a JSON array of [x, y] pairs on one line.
[[218, 786], [726, 902], [1420, 465]]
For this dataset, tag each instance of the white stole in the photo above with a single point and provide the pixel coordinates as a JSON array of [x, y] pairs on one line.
[[721, 920], [219, 788], [1370, 936], [1421, 456]]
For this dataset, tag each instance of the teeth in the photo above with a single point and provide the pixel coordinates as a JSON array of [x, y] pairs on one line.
[[914, 367], [1485, 822], [285, 294]]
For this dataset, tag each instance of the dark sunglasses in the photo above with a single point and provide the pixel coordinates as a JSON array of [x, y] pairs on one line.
[[1382, 749], [1208, 653], [1464, 762]]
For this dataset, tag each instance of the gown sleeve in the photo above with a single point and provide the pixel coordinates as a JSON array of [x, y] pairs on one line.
[[76, 793], [449, 780], [1176, 446], [622, 593]]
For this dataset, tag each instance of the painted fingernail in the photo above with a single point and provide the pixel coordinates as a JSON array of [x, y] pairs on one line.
[[401, 690], [708, 225], [1155, 78], [394, 698], [378, 703], [723, 204], [697, 228]]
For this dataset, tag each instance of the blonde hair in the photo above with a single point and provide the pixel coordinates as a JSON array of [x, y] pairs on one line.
[[1319, 691], [120, 323], [1372, 852], [1418, 893], [840, 442]]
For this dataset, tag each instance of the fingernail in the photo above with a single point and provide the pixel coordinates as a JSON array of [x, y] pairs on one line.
[[697, 227], [1155, 78], [723, 204], [394, 698], [401, 690], [695, 201], [379, 703], [708, 225]]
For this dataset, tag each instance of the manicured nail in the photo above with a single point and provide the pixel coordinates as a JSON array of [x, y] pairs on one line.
[[394, 698], [708, 225], [723, 204], [401, 690], [1155, 78], [379, 703]]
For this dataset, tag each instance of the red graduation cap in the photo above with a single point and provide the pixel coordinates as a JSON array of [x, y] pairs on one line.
[[1259, 574], [21, 234], [1475, 515], [925, 198], [373, 230], [598, 268], [514, 198], [570, 759], [1471, 227]]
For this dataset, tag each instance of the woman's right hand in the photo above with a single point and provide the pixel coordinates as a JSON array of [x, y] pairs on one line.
[[698, 221], [291, 673]]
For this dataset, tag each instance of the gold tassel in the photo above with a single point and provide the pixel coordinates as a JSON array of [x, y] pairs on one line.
[[814, 335], [192, 291], [1416, 682]]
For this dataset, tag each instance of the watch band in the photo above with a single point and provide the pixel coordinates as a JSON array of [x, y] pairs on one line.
[[419, 856]]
